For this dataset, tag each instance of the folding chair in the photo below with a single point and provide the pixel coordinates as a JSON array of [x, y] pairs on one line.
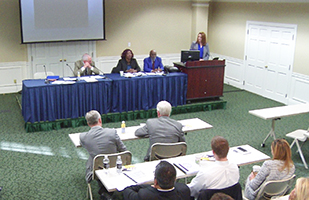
[[299, 135], [275, 188], [126, 158], [167, 150], [234, 191]]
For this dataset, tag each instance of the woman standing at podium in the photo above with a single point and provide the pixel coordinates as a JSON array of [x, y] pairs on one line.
[[201, 45]]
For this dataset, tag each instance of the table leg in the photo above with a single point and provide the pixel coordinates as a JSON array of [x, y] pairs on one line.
[[271, 132]]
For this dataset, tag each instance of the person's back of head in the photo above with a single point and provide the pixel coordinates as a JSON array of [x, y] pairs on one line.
[[165, 174], [302, 188], [281, 150], [220, 146], [221, 196], [164, 108], [92, 117]]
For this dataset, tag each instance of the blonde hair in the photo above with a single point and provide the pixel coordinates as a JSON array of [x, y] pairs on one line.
[[302, 188], [281, 151]]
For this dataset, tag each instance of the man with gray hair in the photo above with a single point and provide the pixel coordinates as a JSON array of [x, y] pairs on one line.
[[162, 129], [99, 140], [85, 66]]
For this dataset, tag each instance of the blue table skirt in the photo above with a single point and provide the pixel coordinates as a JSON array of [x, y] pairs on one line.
[[143, 93], [49, 102]]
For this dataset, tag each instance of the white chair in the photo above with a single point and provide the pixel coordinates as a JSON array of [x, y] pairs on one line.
[[275, 188], [299, 135], [126, 158], [42, 75], [167, 150]]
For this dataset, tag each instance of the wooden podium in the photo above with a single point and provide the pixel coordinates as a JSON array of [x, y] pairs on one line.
[[205, 78]]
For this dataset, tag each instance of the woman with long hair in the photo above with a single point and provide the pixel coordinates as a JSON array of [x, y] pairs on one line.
[[280, 167], [201, 45]]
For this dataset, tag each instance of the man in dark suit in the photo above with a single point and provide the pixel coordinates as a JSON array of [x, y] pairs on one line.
[[85, 66], [99, 140], [162, 129], [153, 63], [164, 186]]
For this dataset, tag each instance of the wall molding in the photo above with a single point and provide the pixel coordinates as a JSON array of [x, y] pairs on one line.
[[10, 71]]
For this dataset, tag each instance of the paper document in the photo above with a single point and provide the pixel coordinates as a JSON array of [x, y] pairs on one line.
[[138, 176], [63, 82], [187, 168]]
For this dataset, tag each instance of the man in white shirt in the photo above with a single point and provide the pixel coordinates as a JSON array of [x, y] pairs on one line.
[[216, 175]]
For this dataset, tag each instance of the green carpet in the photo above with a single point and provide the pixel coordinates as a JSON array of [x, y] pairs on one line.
[[46, 165]]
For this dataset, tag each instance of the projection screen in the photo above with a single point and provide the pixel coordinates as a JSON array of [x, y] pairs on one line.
[[61, 20]]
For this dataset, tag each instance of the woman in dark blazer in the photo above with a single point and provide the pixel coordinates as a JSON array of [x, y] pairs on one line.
[[202, 45], [127, 63]]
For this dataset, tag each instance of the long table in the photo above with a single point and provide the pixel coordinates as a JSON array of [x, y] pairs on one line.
[[50, 102], [189, 125], [143, 93], [277, 113], [143, 172]]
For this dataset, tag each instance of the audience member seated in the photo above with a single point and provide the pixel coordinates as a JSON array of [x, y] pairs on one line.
[[153, 63], [201, 45], [127, 63], [301, 190], [217, 175], [221, 196], [162, 129], [99, 140], [85, 66], [280, 167], [233, 191], [164, 186]]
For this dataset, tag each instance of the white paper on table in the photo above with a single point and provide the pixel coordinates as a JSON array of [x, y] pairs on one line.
[[62, 82], [125, 182], [90, 80], [69, 79], [138, 176], [98, 77]]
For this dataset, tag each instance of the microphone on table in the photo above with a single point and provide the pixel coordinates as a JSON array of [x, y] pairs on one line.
[[70, 68], [46, 80]]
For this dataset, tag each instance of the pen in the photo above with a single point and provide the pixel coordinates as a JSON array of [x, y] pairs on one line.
[[180, 168], [129, 177], [183, 167]]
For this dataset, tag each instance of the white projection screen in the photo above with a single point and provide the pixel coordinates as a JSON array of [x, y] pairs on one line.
[[61, 20]]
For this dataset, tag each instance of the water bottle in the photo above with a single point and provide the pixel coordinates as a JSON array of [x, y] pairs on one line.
[[119, 164], [78, 76], [106, 163], [123, 127]]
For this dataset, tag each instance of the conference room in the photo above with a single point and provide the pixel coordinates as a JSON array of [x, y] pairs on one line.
[[46, 164]]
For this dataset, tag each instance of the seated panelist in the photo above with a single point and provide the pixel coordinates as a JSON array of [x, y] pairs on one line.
[[162, 129], [127, 63], [153, 63], [85, 66]]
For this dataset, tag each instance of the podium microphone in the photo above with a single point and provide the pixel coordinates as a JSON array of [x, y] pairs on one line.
[[70, 68], [46, 80]]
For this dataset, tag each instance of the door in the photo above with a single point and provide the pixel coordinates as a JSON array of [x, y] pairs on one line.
[[269, 55], [56, 56]]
